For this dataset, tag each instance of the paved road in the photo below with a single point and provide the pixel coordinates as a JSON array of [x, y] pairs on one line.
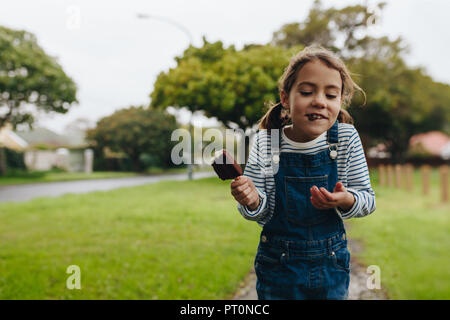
[[25, 192]]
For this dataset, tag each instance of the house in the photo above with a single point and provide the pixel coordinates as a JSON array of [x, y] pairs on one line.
[[44, 149], [434, 143], [379, 151], [11, 140]]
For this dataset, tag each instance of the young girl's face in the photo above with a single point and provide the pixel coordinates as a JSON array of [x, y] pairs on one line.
[[314, 100]]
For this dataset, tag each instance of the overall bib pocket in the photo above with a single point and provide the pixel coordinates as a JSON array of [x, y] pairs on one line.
[[299, 207]]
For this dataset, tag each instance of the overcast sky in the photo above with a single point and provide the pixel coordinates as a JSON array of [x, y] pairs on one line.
[[114, 57]]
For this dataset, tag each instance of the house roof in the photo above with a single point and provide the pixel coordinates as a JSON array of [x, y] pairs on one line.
[[11, 140], [45, 136], [433, 141]]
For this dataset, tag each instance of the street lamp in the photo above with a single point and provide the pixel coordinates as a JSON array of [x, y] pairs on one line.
[[167, 20], [189, 35]]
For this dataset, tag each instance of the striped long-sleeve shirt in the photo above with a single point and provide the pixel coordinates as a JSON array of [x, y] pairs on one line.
[[351, 166]]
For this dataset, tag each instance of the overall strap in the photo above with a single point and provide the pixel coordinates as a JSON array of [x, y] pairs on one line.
[[333, 139], [332, 134], [275, 145]]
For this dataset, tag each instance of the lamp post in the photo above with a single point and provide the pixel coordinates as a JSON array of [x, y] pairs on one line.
[[169, 21], [189, 35]]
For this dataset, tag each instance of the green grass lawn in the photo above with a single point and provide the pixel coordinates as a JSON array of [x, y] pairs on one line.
[[170, 240], [186, 240], [49, 176], [408, 237]]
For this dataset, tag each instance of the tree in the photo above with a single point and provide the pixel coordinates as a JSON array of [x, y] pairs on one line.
[[401, 100], [329, 26], [233, 86], [136, 131], [79, 125], [28, 76]]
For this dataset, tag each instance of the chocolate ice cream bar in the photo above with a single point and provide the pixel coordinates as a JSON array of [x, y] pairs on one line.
[[225, 166]]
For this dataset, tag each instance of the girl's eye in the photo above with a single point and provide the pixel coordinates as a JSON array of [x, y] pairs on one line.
[[331, 96], [305, 93]]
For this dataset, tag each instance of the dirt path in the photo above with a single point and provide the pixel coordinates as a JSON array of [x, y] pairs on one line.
[[358, 278]]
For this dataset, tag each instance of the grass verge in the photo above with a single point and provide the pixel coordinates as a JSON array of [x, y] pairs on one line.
[[408, 237], [170, 240]]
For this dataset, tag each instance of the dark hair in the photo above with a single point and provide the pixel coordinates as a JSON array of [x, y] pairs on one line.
[[277, 116]]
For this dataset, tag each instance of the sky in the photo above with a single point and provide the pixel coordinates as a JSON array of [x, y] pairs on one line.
[[114, 57]]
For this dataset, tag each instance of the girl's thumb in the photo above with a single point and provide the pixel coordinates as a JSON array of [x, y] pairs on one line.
[[339, 187]]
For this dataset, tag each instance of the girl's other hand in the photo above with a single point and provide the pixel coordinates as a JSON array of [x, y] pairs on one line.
[[244, 191], [322, 199]]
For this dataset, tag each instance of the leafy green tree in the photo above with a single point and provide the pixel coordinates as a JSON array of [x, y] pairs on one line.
[[29, 76], [234, 86], [140, 133], [401, 100], [328, 26]]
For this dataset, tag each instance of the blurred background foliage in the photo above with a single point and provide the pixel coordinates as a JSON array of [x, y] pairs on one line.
[[235, 85], [29, 76], [142, 134]]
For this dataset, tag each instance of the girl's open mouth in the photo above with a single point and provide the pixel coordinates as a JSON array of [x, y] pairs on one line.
[[315, 116]]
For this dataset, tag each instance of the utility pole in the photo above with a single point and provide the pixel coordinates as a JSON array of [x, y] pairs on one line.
[[189, 35]]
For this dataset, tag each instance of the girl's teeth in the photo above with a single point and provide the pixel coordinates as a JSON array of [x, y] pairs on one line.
[[314, 117]]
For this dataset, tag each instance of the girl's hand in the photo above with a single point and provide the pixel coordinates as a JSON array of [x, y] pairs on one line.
[[322, 199], [244, 191]]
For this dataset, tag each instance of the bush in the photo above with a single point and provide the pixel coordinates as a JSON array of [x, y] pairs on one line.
[[143, 135], [149, 160], [15, 159]]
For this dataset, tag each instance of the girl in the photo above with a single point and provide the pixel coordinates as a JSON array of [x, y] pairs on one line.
[[300, 184]]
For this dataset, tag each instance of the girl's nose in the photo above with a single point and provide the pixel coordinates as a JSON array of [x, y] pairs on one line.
[[319, 102]]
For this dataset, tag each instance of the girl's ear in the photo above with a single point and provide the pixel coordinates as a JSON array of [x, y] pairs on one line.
[[284, 99]]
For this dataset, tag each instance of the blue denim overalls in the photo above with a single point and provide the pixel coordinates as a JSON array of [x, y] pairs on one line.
[[302, 253]]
